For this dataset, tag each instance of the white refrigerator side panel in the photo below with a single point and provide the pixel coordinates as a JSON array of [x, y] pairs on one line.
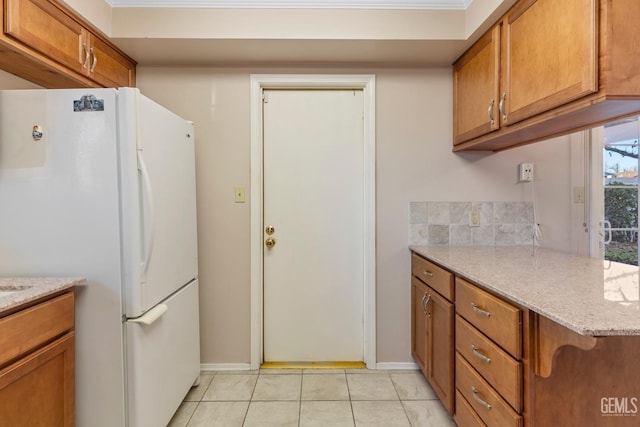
[[163, 359], [59, 216], [163, 228]]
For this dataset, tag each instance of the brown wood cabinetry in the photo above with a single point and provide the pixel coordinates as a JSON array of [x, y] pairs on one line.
[[432, 327], [547, 68], [489, 372], [37, 365], [476, 89], [46, 43], [515, 367]]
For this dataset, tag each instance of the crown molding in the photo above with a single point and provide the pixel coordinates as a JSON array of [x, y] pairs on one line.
[[297, 4]]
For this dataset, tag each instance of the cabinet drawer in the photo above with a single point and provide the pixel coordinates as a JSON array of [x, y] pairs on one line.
[[439, 279], [496, 318], [27, 329], [497, 367], [465, 415], [486, 402]]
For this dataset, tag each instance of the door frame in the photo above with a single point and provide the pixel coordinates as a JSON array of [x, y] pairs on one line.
[[365, 82]]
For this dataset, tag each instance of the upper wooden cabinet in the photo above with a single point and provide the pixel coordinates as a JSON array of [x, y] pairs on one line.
[[549, 56], [49, 45], [476, 89], [547, 68]]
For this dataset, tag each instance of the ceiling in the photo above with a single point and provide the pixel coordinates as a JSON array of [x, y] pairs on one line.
[[333, 4], [397, 33]]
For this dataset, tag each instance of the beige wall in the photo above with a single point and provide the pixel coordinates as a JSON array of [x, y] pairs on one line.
[[9, 81], [414, 163], [98, 12]]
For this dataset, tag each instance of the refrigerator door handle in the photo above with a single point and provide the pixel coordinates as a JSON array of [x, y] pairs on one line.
[[149, 227], [152, 315]]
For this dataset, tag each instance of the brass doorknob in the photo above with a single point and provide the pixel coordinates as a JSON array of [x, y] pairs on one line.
[[270, 242]]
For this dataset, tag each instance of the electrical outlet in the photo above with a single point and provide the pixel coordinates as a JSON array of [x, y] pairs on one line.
[[525, 172], [474, 218]]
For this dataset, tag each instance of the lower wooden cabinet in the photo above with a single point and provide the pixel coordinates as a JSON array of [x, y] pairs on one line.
[[38, 390], [515, 367], [432, 343], [37, 371]]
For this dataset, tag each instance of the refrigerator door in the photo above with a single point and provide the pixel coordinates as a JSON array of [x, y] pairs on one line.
[[59, 216], [159, 201], [162, 365]]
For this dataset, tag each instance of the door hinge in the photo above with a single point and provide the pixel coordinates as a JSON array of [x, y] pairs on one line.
[[265, 97]]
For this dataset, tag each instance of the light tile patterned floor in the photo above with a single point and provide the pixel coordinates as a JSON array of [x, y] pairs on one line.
[[312, 398]]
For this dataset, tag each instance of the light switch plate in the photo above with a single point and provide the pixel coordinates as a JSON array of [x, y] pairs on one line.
[[239, 195]]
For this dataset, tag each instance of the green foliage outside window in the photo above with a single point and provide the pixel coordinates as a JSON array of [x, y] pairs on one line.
[[621, 210]]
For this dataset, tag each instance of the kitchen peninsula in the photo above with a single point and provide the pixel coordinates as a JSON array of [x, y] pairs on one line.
[[538, 335]]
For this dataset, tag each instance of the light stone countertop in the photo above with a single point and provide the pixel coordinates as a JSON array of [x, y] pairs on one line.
[[587, 295], [29, 289]]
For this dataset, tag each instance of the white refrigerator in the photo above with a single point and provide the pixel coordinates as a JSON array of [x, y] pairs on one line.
[[100, 183]]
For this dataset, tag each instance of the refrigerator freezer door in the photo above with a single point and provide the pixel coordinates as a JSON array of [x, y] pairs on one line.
[[159, 201], [59, 216], [163, 359]]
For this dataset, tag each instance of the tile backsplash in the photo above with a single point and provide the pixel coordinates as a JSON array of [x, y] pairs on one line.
[[447, 223]]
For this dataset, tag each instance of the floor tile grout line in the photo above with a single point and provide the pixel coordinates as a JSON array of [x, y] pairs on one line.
[[199, 401]]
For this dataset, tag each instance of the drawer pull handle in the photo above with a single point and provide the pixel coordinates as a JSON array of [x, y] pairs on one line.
[[477, 353], [428, 273], [478, 310], [478, 399]]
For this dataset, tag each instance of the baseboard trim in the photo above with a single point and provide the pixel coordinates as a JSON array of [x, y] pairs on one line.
[[209, 367], [397, 366], [388, 366]]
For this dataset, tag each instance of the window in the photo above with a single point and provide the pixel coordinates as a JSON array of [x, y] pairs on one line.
[[615, 191]]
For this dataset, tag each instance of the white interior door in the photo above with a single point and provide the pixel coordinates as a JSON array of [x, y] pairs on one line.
[[314, 200]]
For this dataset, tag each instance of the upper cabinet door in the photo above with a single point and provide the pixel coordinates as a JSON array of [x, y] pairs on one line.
[[108, 67], [550, 56], [48, 30], [476, 77]]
